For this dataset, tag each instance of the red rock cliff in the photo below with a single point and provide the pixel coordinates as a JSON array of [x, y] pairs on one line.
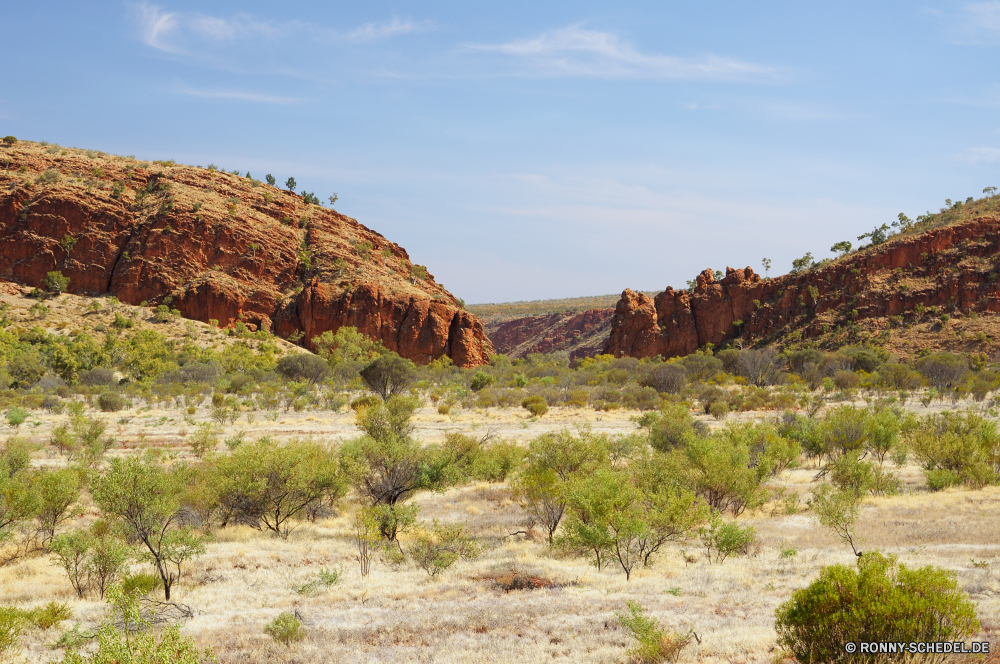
[[953, 268], [219, 246], [581, 334]]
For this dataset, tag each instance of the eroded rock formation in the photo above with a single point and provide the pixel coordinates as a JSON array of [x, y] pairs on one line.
[[219, 246], [953, 268], [582, 334]]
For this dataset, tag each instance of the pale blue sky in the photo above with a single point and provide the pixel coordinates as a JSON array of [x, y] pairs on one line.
[[543, 149]]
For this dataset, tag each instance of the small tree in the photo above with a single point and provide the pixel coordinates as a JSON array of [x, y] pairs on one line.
[[270, 179], [303, 366], [388, 375], [843, 248], [290, 184], [333, 199], [803, 264], [654, 644], [366, 537], [837, 509], [766, 263], [145, 498], [55, 283]]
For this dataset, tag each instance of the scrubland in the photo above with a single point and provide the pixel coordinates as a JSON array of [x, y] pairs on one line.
[[521, 599]]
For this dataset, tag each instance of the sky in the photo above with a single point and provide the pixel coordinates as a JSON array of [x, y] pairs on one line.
[[531, 150]]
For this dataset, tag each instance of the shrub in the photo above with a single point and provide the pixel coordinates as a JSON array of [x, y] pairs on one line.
[[943, 370], [879, 602], [368, 401], [49, 615], [940, 479], [668, 378], [286, 628], [480, 380], [654, 644], [723, 539], [99, 376], [846, 380], [436, 550], [672, 427], [111, 402], [9, 140], [388, 375], [536, 405], [12, 623], [55, 282], [303, 366], [443, 409], [16, 416]]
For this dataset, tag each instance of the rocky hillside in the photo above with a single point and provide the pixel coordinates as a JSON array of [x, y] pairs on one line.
[[905, 293], [219, 246], [581, 334]]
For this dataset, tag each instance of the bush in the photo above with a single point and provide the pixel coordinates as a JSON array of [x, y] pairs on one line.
[[536, 405], [368, 401], [672, 427], [49, 615], [480, 380], [940, 479], [943, 370], [111, 402], [669, 378], [16, 416], [654, 644], [285, 628], [303, 366], [846, 380], [389, 374], [436, 550], [55, 282], [878, 602], [723, 539], [12, 623], [98, 377]]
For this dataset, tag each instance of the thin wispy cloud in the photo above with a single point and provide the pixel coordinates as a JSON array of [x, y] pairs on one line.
[[393, 28], [239, 95], [578, 51], [177, 32], [974, 23]]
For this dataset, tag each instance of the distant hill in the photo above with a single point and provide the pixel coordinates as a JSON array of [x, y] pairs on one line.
[[219, 246]]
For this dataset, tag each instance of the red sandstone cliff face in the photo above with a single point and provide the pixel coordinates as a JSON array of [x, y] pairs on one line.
[[954, 268], [581, 334], [219, 246]]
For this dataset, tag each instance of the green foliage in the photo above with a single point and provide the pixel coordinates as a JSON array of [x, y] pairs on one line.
[[536, 405], [653, 643], [480, 380], [131, 644], [204, 439], [440, 547], [286, 628], [111, 402], [271, 180], [880, 601], [347, 346], [55, 282], [552, 461], [274, 485], [837, 509], [843, 248], [16, 416], [723, 539], [290, 184], [12, 623], [303, 366], [965, 445], [803, 264], [145, 499], [388, 375]]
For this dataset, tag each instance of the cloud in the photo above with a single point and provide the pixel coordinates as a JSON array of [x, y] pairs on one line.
[[155, 25], [173, 32], [577, 51], [372, 31], [241, 95], [977, 23], [978, 155]]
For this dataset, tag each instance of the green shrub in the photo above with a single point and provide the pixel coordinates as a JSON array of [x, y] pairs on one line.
[[16, 416], [367, 401], [654, 644], [111, 402], [880, 601], [12, 623], [723, 539], [285, 628], [940, 479], [439, 548], [55, 282], [536, 405], [443, 409], [51, 614], [139, 583], [480, 380]]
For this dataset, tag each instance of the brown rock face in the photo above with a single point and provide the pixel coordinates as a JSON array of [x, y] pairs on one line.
[[219, 246], [581, 334], [953, 268]]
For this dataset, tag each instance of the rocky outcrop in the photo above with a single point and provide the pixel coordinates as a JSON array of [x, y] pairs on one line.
[[217, 246], [952, 268], [582, 334]]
